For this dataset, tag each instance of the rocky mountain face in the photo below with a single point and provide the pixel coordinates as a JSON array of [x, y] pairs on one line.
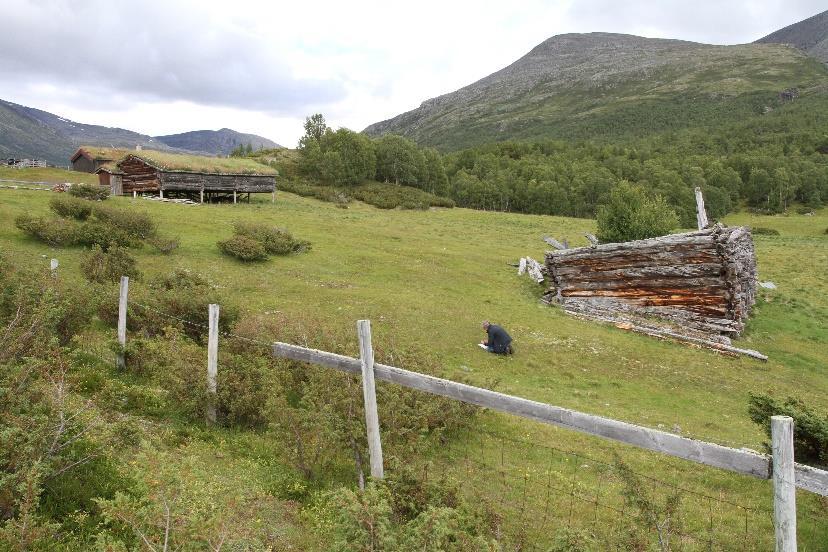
[[216, 142], [603, 84], [809, 35], [26, 132]]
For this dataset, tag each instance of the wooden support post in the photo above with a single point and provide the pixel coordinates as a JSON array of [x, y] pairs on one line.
[[701, 214], [234, 197], [212, 363], [273, 196], [53, 266], [122, 315], [369, 393], [161, 193], [202, 195], [134, 194], [784, 488]]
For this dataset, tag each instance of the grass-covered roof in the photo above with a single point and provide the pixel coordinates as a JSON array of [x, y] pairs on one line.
[[176, 162], [102, 154]]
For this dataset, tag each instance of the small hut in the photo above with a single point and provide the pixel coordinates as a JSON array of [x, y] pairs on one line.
[[109, 175], [91, 158], [194, 177]]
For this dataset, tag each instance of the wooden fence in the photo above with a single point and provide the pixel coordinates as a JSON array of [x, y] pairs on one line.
[[779, 467]]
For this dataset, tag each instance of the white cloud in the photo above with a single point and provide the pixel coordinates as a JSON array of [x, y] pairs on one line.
[[258, 66]]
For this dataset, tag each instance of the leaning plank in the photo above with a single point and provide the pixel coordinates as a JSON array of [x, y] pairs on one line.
[[710, 454], [667, 334], [554, 243]]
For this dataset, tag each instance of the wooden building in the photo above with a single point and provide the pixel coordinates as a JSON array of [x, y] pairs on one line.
[[701, 285], [194, 177], [91, 158], [109, 175]]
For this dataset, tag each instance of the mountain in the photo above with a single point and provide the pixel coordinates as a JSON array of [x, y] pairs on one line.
[[809, 35], [217, 142], [604, 85], [33, 133], [29, 132]]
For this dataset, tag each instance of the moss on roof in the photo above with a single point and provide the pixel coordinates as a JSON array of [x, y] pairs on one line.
[[103, 154], [110, 167], [176, 162]]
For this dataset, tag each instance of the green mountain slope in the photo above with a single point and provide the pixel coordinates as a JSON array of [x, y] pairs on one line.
[[809, 35], [216, 142], [603, 85]]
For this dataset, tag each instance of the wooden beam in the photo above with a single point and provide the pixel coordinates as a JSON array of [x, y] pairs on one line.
[[369, 394], [122, 320], [784, 488], [701, 214], [212, 362], [554, 243]]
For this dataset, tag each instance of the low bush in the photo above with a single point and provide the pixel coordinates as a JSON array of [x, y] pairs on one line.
[[630, 213], [763, 231], [71, 207], [322, 193], [94, 232], [92, 192], [55, 232], [804, 210], [392, 196], [243, 248], [135, 223], [108, 266], [811, 429], [164, 246], [276, 241]]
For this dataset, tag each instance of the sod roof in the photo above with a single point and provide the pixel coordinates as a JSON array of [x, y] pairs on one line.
[[101, 154], [176, 162]]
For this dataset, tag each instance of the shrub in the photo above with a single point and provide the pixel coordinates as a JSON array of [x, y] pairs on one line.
[[763, 231], [92, 192], [108, 266], [804, 210], [391, 196], [811, 429], [164, 246], [630, 214], [93, 232], [243, 248], [54, 232], [134, 223], [276, 241], [71, 207]]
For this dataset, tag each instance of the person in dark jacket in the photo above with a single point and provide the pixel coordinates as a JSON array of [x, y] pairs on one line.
[[498, 342]]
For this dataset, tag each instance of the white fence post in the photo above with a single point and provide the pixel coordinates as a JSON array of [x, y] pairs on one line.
[[53, 266], [212, 363], [122, 315], [701, 214], [784, 488], [369, 393]]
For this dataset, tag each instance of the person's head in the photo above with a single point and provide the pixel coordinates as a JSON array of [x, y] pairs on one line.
[[486, 325]]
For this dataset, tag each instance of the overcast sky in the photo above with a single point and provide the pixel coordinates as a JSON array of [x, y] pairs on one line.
[[167, 66]]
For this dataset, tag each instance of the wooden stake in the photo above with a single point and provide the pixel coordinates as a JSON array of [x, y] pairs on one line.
[[53, 266], [161, 193], [701, 214], [784, 488], [202, 195], [369, 393], [134, 194], [122, 316], [234, 197], [212, 363]]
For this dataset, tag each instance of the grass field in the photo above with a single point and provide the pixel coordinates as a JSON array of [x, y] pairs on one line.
[[47, 174], [426, 279]]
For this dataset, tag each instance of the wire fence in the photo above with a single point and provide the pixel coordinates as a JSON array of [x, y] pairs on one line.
[[544, 496]]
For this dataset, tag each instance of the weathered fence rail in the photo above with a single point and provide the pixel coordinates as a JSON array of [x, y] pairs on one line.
[[737, 460]]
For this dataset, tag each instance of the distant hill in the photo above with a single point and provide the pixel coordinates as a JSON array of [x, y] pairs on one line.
[[216, 142], [29, 132], [809, 35], [33, 133], [603, 85]]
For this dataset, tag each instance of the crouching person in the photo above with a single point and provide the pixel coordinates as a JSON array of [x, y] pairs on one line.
[[498, 341]]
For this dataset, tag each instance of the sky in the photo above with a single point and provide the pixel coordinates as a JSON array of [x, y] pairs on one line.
[[168, 66]]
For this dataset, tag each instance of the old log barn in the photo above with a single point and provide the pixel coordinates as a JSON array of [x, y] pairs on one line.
[[110, 176], [91, 158], [194, 177], [699, 285]]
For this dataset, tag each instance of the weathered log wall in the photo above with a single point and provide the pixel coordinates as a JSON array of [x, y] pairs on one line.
[[700, 283], [138, 176]]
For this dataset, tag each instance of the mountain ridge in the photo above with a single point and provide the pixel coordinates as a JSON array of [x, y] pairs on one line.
[[809, 35], [35, 133]]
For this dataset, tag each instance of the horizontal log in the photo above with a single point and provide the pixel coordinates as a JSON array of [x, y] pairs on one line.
[[690, 239], [710, 454], [665, 271], [682, 285]]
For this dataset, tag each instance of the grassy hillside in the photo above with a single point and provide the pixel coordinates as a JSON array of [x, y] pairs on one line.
[[47, 174], [426, 279], [605, 86]]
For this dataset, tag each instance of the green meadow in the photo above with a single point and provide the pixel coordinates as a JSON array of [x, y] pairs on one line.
[[426, 280]]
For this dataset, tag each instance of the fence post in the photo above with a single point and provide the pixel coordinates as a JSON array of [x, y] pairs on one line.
[[701, 214], [212, 363], [122, 315], [784, 488], [53, 266], [369, 393]]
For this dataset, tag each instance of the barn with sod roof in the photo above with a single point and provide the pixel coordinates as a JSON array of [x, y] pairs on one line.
[[195, 177], [91, 158]]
